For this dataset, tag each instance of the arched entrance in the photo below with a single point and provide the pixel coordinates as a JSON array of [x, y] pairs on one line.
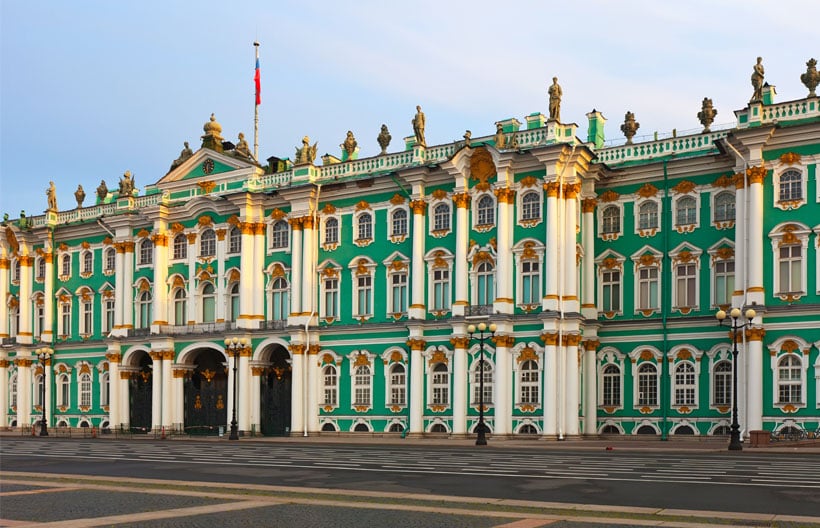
[[275, 393], [206, 394], [140, 389]]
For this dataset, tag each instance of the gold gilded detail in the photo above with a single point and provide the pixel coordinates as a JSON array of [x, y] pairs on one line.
[[790, 158], [684, 187]]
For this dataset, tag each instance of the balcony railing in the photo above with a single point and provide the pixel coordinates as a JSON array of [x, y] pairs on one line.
[[479, 309], [200, 328]]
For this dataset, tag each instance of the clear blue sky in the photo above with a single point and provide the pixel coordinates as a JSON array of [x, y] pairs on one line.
[[93, 88]]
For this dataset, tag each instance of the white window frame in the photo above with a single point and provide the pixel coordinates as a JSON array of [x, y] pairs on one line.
[[13, 390], [364, 227], [328, 272], [107, 311], [649, 230], [527, 220], [145, 253], [688, 226], [723, 223], [790, 234], [179, 306], [232, 301], [109, 260], [203, 297], [86, 263], [179, 251], [65, 265], [279, 295], [64, 320], [528, 252], [395, 383], [40, 269], [329, 244], [397, 235], [363, 279], [361, 383], [481, 215], [722, 253], [682, 387], [86, 301], [105, 389], [607, 263], [437, 227], [638, 357], [789, 202], [234, 240], [726, 382], [641, 261], [280, 236], [478, 273], [437, 386], [205, 249], [603, 219], [330, 386], [63, 390], [693, 289], [85, 384], [397, 265], [528, 386], [779, 350], [143, 308]]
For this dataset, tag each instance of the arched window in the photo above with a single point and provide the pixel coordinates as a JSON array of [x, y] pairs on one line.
[[527, 429], [207, 243], [648, 215], [441, 217], [488, 383], [398, 223], [328, 427], [280, 306], [331, 231], [364, 229], [15, 271], [440, 385], [65, 265], [791, 186], [180, 246], [396, 428], [13, 390], [144, 309], [611, 220], [63, 390], [789, 379], [530, 206], [485, 211], [146, 255], [88, 262], [361, 386], [722, 384], [38, 390], [233, 302], [686, 211], [330, 386], [86, 314], [279, 237], [41, 268], [724, 207], [235, 240], [485, 294], [611, 390], [530, 382], [647, 384], [685, 386], [398, 384], [180, 307], [85, 390], [105, 389], [110, 259], [208, 303]]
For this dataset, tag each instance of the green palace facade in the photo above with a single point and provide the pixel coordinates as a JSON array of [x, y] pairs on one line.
[[336, 296]]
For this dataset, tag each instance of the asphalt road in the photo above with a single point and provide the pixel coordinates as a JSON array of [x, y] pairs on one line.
[[728, 481]]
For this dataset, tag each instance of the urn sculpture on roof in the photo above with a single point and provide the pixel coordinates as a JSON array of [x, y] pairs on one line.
[[707, 114], [811, 78], [630, 127]]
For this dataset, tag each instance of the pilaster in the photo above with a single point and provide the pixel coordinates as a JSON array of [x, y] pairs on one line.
[[417, 277], [460, 391], [462, 202]]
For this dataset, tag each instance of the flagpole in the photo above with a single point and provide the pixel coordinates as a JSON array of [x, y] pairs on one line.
[[256, 106]]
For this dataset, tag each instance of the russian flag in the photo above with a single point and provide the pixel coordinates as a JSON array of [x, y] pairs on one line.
[[258, 82]]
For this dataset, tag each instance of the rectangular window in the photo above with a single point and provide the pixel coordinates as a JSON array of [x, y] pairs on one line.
[[790, 269], [441, 289], [724, 281], [531, 282], [611, 291], [648, 288], [685, 284], [399, 292], [331, 297], [65, 319], [86, 318], [365, 294], [109, 315]]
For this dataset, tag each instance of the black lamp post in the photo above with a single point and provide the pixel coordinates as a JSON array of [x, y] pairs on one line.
[[483, 336], [233, 346], [734, 442], [44, 354]]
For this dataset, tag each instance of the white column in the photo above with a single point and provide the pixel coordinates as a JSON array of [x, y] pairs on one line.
[[416, 386], [222, 278], [5, 264], [46, 333], [571, 420], [504, 302], [551, 265], [588, 288], [119, 286], [297, 423], [550, 387], [258, 273], [24, 333], [569, 286], [462, 202], [460, 390], [256, 380], [502, 385], [128, 290], [178, 388], [243, 409], [590, 388], [312, 367], [755, 292], [296, 275], [4, 386], [157, 372], [754, 380], [308, 275], [48, 379], [125, 397], [160, 290], [23, 388], [418, 310], [114, 358], [167, 388], [741, 260]]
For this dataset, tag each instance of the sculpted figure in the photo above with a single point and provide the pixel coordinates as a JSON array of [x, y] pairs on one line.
[[757, 80], [306, 154], [349, 145], [419, 122], [468, 137], [555, 94], [79, 195], [242, 147], [102, 191], [500, 138], [51, 193], [126, 185], [184, 155], [384, 139]]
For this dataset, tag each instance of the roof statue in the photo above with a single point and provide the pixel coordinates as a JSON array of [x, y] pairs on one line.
[[630, 127], [242, 149], [707, 114], [811, 78], [79, 195], [468, 137], [51, 194], [212, 138], [183, 156], [349, 144], [384, 139], [500, 138], [102, 191], [306, 154], [126, 185], [419, 122], [757, 81], [555, 93]]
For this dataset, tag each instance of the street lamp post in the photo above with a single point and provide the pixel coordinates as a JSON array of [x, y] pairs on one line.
[[233, 346], [44, 354], [483, 336], [734, 442]]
